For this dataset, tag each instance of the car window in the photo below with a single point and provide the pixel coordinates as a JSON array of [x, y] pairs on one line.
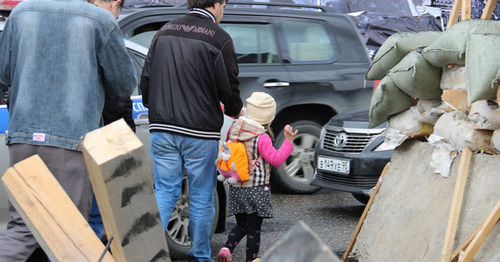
[[144, 38], [138, 60], [253, 43], [308, 41]]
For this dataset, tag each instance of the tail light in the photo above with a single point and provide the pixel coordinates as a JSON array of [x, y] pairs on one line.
[[8, 4], [375, 84]]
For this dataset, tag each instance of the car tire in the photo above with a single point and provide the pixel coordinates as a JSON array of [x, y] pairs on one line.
[[296, 173], [177, 232], [361, 198]]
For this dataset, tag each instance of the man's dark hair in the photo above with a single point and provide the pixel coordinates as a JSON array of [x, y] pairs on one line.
[[203, 3]]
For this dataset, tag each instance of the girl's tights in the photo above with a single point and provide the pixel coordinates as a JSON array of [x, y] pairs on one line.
[[249, 225]]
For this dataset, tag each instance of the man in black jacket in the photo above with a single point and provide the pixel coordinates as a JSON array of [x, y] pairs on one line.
[[189, 71]]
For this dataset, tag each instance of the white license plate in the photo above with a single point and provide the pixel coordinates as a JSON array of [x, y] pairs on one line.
[[333, 164]]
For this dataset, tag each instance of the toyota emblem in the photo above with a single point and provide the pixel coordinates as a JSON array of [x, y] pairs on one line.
[[340, 140]]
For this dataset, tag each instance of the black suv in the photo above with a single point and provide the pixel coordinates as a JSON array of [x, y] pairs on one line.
[[311, 59]]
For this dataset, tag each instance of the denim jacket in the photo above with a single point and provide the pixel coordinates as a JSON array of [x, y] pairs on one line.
[[56, 59]]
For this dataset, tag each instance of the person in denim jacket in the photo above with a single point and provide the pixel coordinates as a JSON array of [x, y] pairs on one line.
[[57, 59]]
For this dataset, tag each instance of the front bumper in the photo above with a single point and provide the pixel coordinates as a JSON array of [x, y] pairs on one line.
[[365, 169]]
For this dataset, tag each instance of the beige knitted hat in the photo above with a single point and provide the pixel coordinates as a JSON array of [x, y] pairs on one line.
[[261, 107]]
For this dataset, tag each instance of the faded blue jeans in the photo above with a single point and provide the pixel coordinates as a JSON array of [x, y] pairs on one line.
[[171, 153]]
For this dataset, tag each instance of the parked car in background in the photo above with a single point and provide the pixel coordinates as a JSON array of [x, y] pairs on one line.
[[350, 156], [309, 58]]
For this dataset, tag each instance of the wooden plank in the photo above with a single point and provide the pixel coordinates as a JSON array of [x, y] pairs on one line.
[[363, 216], [456, 204], [465, 244], [469, 239], [455, 13], [466, 9], [488, 9], [49, 213], [481, 236], [123, 186]]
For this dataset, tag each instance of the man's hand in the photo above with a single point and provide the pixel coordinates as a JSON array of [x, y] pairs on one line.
[[289, 134], [242, 113]]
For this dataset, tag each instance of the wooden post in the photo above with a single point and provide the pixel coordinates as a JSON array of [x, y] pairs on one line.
[[456, 204], [49, 213], [465, 244], [455, 13], [481, 236], [466, 9], [123, 186], [363, 216], [488, 9]]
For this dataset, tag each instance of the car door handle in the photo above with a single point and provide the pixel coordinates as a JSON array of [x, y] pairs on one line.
[[276, 84]]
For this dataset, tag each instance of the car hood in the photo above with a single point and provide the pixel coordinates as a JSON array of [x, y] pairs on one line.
[[353, 119]]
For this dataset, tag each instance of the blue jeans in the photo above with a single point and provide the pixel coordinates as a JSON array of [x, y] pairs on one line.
[[171, 153], [95, 220]]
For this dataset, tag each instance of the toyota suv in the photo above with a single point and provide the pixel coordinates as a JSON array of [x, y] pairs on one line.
[[311, 59]]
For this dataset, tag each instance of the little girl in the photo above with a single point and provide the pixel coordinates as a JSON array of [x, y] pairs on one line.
[[250, 201]]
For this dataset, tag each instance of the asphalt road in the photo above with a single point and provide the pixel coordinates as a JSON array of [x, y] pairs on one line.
[[332, 215]]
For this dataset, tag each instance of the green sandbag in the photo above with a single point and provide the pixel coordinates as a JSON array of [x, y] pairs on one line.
[[387, 100], [483, 65], [395, 48], [450, 47], [416, 77]]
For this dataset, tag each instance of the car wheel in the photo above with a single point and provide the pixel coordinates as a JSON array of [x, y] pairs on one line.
[[177, 232], [361, 198], [296, 173]]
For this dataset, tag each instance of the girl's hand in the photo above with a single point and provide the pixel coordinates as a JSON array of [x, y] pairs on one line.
[[289, 134]]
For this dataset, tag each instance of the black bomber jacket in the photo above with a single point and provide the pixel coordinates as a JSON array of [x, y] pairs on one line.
[[189, 70]]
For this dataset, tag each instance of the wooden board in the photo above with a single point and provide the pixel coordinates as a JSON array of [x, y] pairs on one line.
[[466, 9], [456, 205], [488, 9], [123, 186], [49, 213], [363, 216], [480, 237], [455, 13]]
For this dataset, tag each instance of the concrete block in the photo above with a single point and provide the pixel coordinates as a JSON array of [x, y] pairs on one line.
[[300, 244]]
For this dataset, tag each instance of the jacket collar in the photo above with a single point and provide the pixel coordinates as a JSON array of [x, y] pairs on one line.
[[202, 12]]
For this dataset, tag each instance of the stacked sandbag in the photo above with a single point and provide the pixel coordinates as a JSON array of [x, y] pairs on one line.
[[387, 100], [417, 78], [450, 47], [482, 66], [446, 89], [404, 74], [395, 48]]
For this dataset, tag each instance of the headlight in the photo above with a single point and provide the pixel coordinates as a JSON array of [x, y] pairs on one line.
[[386, 146]]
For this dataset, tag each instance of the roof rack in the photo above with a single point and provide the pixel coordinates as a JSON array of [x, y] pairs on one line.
[[275, 5]]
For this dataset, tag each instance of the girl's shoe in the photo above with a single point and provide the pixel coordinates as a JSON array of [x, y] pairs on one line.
[[224, 255]]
